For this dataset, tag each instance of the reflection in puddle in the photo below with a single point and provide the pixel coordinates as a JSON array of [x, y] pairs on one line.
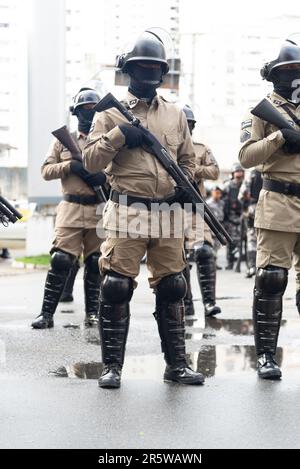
[[221, 359], [233, 327], [211, 360], [229, 353], [80, 370]]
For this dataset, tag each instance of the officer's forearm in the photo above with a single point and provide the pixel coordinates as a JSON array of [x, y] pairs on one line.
[[211, 172], [97, 154], [56, 170], [256, 153]]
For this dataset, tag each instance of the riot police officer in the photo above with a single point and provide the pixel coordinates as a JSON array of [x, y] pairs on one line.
[[277, 214], [117, 146], [76, 220], [233, 211], [206, 168]]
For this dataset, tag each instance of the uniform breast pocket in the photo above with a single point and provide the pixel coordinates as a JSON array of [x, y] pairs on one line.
[[173, 141]]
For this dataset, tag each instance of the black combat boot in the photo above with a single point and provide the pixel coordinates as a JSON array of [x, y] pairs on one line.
[[206, 273], [115, 294], [61, 263], [91, 280], [251, 258], [188, 299], [298, 300], [169, 315], [67, 294], [270, 285]]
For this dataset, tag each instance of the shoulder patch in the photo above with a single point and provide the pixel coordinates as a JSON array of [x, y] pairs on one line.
[[245, 136], [246, 124]]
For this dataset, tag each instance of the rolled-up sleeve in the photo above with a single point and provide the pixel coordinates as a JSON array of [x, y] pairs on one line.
[[53, 167], [103, 143]]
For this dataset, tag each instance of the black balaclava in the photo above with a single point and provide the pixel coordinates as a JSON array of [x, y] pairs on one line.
[[144, 81], [283, 80], [85, 119]]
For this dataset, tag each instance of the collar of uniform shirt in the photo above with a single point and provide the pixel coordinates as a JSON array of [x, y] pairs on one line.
[[132, 100], [277, 100]]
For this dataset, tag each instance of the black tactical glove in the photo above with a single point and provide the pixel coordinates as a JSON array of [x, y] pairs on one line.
[[77, 168], [292, 140], [92, 180], [133, 135]]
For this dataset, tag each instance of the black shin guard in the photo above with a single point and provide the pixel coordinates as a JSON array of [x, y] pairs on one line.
[[67, 294], [91, 280], [114, 315], [206, 273], [169, 315], [61, 263], [270, 285], [188, 299]]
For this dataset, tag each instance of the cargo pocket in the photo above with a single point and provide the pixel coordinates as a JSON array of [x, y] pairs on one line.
[[107, 249], [263, 258]]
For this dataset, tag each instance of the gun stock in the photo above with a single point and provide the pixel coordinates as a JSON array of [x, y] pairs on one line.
[[63, 135], [267, 112]]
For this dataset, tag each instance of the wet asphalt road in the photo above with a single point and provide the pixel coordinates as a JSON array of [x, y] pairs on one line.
[[49, 396]]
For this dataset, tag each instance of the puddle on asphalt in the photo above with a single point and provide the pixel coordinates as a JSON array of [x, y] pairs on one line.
[[211, 360], [213, 327]]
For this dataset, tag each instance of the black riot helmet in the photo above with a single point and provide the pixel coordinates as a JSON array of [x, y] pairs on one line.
[[148, 48], [84, 96], [289, 54], [189, 113], [189, 117]]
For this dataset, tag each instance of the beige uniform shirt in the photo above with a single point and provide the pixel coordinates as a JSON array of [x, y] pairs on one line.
[[135, 171], [57, 166], [206, 166], [262, 146]]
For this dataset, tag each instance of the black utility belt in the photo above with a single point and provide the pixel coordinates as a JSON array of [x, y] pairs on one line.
[[125, 199], [81, 199], [282, 187]]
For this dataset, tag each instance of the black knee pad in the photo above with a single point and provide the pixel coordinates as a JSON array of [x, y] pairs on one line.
[[62, 260], [92, 263], [204, 253], [271, 280], [116, 288], [172, 288]]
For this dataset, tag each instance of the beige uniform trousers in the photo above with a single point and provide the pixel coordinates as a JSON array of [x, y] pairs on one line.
[[278, 248], [165, 256], [76, 241]]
